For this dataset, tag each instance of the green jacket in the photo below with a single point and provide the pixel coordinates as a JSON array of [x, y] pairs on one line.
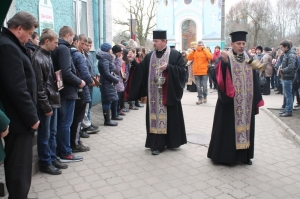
[[4, 122]]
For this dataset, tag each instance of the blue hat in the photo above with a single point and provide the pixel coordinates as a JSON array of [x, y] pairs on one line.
[[105, 47]]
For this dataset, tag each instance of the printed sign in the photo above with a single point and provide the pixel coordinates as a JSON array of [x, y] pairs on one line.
[[46, 17]]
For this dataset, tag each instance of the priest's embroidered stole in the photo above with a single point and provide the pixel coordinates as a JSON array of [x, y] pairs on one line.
[[242, 79], [157, 110]]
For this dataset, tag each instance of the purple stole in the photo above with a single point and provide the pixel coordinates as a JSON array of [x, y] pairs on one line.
[[157, 110], [242, 79]]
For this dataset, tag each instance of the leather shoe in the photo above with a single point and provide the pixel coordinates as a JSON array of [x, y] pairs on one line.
[[282, 111], [155, 152], [91, 129], [59, 165], [286, 114], [50, 170], [248, 163], [83, 134], [117, 118]]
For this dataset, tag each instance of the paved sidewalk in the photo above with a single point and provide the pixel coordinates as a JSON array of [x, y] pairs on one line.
[[119, 166]]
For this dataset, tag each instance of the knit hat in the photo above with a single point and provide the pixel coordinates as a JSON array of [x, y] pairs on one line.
[[105, 47], [267, 49], [116, 49], [259, 48]]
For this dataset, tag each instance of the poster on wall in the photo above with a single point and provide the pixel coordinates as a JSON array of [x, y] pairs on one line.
[[46, 17]]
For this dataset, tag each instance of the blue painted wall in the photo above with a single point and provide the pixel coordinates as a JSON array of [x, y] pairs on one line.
[[62, 10]]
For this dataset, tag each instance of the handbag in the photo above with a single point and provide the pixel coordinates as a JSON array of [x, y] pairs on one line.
[[262, 79]]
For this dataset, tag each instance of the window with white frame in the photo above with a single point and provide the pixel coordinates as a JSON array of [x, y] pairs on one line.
[[81, 20]]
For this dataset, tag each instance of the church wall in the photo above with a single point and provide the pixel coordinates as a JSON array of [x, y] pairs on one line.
[[207, 17]]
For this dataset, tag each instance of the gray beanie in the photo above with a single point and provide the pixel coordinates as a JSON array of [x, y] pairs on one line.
[[105, 47]]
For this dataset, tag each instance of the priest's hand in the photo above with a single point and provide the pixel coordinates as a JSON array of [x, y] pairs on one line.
[[224, 56], [130, 56], [163, 67]]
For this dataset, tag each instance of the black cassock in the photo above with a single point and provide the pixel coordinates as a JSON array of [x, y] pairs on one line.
[[222, 147], [172, 93]]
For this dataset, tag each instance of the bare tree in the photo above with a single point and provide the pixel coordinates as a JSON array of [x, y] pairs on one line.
[[266, 25], [144, 17]]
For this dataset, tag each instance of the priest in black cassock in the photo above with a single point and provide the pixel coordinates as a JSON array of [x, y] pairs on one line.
[[232, 138], [164, 116]]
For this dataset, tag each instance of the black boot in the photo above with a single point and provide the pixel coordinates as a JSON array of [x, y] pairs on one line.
[[107, 121]]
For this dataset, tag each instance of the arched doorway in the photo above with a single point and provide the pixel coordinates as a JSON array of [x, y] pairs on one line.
[[189, 33]]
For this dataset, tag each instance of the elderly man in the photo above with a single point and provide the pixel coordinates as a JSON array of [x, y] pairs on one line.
[[18, 94], [163, 79], [232, 138]]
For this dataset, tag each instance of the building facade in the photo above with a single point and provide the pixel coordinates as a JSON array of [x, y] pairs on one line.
[[190, 20], [89, 17]]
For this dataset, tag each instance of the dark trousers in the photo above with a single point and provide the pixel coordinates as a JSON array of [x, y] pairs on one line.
[[79, 112], [121, 103], [18, 164]]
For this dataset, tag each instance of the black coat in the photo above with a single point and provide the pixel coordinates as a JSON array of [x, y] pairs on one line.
[[62, 60], [81, 66], [222, 147], [18, 88], [138, 87], [48, 95], [107, 79]]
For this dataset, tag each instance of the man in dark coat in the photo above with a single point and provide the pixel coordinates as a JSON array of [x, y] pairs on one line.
[[18, 93], [164, 117], [232, 138], [62, 60]]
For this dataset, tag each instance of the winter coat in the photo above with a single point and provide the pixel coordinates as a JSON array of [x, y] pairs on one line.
[[117, 70], [90, 63], [288, 64], [267, 59], [62, 60], [18, 89], [107, 77], [30, 47], [298, 71], [48, 95], [83, 72], [201, 58], [258, 56]]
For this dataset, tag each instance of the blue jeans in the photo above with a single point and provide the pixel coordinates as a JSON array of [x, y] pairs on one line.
[[90, 104], [64, 120], [106, 105], [114, 108], [201, 81], [46, 138], [287, 86]]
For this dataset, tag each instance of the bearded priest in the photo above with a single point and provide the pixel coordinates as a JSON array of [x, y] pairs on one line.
[[232, 138], [161, 77]]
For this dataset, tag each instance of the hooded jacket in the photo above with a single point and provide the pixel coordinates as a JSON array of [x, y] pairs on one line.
[[62, 60], [81, 66], [288, 64], [201, 58], [107, 77]]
